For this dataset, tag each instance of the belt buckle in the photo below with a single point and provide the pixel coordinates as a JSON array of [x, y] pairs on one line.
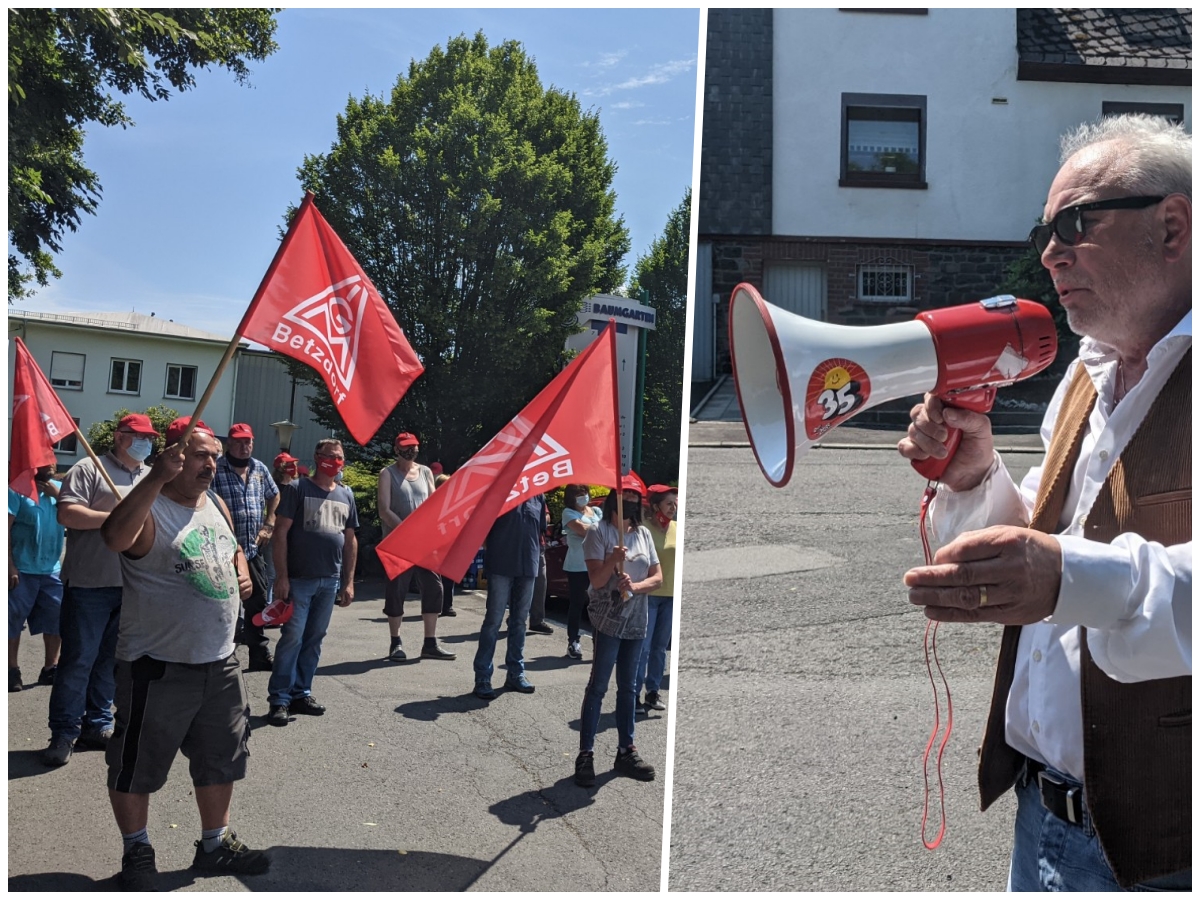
[[1071, 795]]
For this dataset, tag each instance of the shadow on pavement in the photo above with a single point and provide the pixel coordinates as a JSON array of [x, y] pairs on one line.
[[359, 666], [430, 710], [306, 869], [25, 764]]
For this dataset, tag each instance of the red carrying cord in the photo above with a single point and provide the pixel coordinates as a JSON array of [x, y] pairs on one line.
[[932, 662]]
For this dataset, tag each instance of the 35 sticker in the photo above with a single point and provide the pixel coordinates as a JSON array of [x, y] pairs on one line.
[[837, 389]]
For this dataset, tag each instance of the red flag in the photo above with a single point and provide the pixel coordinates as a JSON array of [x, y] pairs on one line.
[[568, 433], [38, 420], [317, 305]]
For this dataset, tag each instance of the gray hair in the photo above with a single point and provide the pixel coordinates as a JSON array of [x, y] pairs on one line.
[[1154, 156], [325, 443]]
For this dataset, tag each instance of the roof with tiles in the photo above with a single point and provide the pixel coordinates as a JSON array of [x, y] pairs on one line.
[[1111, 46]]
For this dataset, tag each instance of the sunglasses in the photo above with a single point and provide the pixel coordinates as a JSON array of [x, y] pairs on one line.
[[1068, 223]]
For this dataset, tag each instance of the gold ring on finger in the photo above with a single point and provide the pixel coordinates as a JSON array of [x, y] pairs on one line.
[[983, 595]]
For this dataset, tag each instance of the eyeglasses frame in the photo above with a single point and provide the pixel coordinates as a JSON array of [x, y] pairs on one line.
[[1050, 229]]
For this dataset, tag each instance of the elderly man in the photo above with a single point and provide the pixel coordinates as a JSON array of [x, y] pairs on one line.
[[315, 549], [82, 696], [249, 492], [179, 683], [1088, 562]]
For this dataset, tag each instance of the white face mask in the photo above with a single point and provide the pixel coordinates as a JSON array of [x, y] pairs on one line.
[[140, 448]]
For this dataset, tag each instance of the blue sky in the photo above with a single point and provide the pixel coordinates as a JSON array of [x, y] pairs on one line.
[[194, 194]]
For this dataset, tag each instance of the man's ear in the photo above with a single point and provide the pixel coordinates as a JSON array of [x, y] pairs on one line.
[[1176, 212]]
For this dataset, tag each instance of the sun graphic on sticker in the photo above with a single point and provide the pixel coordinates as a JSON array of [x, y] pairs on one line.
[[836, 378]]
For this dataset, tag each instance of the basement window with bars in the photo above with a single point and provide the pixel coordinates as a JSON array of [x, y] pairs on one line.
[[885, 283]]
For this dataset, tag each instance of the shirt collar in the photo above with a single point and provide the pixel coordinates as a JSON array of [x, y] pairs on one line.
[[1094, 353]]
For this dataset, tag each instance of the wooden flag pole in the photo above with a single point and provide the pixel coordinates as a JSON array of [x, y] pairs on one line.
[[233, 344]]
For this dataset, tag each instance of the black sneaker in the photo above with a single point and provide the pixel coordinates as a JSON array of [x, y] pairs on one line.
[[14, 680], [94, 740], [396, 650], [541, 628], [261, 662], [231, 856], [306, 706], [138, 872], [59, 751], [574, 650], [585, 769], [433, 650], [451, 612], [629, 763], [278, 715], [46, 676], [654, 701]]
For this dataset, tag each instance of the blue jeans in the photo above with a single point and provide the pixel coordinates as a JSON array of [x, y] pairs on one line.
[[85, 682], [514, 593], [623, 653], [299, 648], [653, 661], [1052, 855]]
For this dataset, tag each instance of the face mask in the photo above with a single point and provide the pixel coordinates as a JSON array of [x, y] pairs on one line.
[[238, 462], [581, 501], [140, 448], [633, 512], [290, 471], [409, 453], [330, 467]]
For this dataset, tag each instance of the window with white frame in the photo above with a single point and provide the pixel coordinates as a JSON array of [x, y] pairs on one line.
[[66, 370], [885, 283], [68, 446], [181, 382], [125, 376]]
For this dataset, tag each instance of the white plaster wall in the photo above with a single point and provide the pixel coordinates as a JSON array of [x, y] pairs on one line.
[[94, 403], [988, 166]]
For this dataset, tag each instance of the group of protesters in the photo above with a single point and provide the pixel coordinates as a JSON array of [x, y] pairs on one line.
[[206, 547]]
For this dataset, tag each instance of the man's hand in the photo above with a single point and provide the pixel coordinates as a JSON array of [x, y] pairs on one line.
[[264, 535], [245, 585], [346, 597], [282, 589], [1018, 569], [927, 438], [13, 578], [168, 465]]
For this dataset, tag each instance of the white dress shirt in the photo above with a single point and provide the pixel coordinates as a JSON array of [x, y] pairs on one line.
[[1134, 596]]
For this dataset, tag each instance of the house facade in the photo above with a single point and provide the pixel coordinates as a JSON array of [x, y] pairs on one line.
[[859, 166], [99, 363]]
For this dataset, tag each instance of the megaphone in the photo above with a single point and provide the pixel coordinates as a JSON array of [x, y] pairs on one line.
[[797, 379]]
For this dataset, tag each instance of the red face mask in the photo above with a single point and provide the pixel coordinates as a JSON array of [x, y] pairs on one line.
[[330, 467]]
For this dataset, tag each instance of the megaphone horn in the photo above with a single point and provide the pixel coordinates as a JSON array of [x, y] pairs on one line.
[[797, 378]]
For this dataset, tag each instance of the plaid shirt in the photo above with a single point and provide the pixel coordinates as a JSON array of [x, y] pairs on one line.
[[247, 501]]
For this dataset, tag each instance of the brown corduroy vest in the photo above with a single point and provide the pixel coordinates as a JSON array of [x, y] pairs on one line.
[[1137, 737]]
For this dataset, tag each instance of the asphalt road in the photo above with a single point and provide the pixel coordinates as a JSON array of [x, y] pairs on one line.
[[407, 783], [804, 706]]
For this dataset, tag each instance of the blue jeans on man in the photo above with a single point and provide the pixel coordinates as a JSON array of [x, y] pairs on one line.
[[82, 696], [610, 652], [299, 648], [653, 661], [514, 593], [1052, 855]]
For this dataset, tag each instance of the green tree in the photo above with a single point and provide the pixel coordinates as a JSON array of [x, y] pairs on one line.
[[480, 204], [663, 274], [1026, 277], [100, 434], [62, 65]]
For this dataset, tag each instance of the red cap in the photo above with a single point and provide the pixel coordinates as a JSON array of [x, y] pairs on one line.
[[241, 430], [176, 428], [404, 439], [662, 489], [632, 482], [283, 459], [138, 424], [301, 470], [435, 468]]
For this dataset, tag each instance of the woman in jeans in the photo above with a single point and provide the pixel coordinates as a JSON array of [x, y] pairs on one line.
[[663, 508], [617, 609], [578, 518]]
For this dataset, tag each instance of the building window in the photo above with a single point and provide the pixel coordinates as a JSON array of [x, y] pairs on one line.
[[885, 283], [181, 382], [883, 140], [1172, 112], [125, 376], [68, 445], [66, 370]]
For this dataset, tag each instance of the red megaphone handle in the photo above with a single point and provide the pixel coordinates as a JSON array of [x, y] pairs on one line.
[[979, 401]]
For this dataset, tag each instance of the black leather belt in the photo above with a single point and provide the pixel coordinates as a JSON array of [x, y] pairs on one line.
[[1062, 798]]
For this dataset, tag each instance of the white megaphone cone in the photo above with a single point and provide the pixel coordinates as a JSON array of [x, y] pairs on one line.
[[797, 379]]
